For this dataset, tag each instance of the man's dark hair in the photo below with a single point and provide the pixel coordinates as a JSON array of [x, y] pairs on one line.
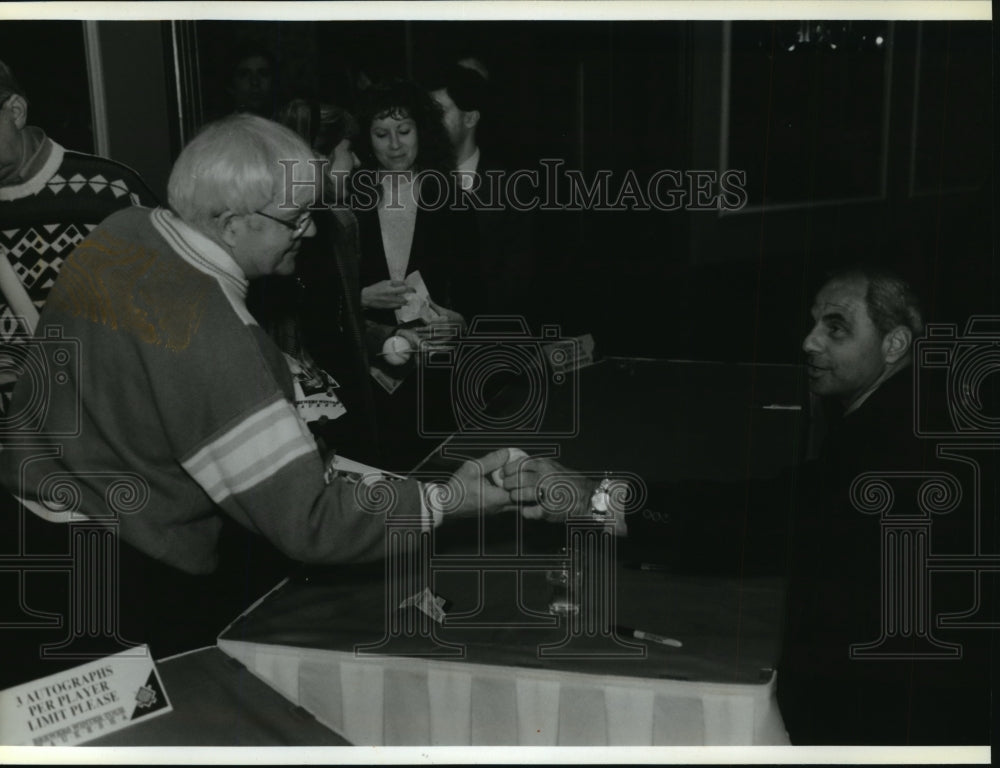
[[891, 300], [466, 87], [401, 99]]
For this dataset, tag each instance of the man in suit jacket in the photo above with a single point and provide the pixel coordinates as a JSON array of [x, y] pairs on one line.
[[504, 233], [807, 525]]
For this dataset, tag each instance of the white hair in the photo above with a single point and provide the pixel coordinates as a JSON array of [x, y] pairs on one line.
[[241, 164]]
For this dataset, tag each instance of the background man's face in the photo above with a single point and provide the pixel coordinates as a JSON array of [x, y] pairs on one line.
[[251, 86], [844, 349], [452, 118]]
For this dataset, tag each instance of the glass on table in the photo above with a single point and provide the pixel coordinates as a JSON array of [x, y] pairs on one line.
[[564, 583]]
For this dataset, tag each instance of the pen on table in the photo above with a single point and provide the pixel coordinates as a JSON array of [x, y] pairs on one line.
[[640, 634]]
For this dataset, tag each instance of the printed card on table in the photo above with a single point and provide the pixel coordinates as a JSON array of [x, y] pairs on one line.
[[82, 703], [568, 355], [355, 471]]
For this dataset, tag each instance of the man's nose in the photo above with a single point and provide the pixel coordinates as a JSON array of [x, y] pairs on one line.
[[355, 161], [811, 342], [310, 230]]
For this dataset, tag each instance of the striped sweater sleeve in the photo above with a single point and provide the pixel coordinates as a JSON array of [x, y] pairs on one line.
[[266, 472], [225, 403]]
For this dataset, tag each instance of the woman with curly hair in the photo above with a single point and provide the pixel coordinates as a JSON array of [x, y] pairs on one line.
[[404, 148], [403, 197]]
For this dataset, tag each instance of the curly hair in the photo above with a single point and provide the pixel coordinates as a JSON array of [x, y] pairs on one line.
[[401, 99]]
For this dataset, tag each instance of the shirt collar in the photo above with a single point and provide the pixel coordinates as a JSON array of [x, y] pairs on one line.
[[471, 163], [879, 382], [467, 169], [200, 252]]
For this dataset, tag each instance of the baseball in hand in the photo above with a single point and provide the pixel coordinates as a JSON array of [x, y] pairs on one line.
[[396, 350], [513, 454]]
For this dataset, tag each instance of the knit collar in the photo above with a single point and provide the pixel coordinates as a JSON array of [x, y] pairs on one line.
[[200, 252], [42, 158]]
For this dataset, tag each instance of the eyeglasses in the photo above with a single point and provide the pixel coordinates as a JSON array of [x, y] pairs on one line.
[[297, 226]]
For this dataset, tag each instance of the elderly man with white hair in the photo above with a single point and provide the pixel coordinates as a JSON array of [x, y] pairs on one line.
[[179, 389]]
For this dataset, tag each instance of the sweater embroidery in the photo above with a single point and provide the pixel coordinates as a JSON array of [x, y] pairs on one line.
[[46, 216], [119, 284]]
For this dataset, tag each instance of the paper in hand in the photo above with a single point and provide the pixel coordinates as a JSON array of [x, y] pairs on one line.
[[418, 303]]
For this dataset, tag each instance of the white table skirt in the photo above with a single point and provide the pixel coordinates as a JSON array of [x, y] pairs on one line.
[[398, 701]]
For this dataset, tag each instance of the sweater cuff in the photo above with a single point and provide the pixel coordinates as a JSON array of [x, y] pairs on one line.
[[431, 507]]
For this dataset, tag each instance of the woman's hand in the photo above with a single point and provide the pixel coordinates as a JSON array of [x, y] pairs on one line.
[[412, 335], [446, 317], [386, 294]]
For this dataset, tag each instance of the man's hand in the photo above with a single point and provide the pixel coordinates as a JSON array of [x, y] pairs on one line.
[[546, 489], [385, 294], [469, 491]]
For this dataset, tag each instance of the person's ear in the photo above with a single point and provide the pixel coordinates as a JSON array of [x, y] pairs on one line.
[[229, 224], [18, 107], [470, 119], [896, 344]]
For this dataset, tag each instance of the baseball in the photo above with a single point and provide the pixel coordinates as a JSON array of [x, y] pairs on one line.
[[396, 350]]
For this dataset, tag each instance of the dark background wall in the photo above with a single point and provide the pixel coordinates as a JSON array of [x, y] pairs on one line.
[[864, 150]]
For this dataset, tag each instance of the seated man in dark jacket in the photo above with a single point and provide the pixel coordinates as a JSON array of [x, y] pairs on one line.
[[837, 680]]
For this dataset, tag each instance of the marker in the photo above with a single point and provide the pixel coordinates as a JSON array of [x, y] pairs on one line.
[[640, 634]]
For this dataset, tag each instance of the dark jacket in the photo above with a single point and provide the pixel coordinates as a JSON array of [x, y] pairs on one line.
[[804, 525], [504, 236], [444, 250], [319, 310]]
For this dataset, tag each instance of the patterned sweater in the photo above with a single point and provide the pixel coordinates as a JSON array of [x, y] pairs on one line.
[[179, 409], [63, 196]]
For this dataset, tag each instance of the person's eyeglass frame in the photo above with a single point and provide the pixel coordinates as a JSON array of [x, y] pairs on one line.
[[298, 225]]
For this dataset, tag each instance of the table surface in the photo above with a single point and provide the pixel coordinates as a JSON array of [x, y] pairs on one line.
[[657, 419], [730, 629], [217, 702]]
